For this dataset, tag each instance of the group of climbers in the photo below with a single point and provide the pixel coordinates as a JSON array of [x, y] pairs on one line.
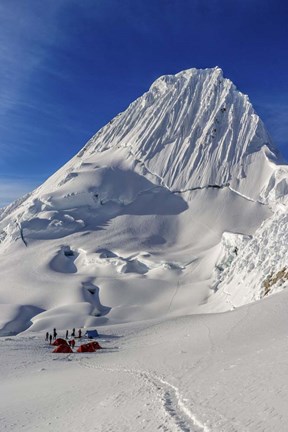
[[53, 335], [73, 333]]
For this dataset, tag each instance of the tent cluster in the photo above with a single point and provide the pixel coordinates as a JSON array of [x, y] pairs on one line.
[[61, 346]]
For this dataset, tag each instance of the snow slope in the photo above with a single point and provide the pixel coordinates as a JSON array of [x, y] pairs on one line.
[[214, 372]]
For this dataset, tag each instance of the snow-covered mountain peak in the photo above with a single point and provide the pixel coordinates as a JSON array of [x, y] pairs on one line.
[[193, 129], [146, 209]]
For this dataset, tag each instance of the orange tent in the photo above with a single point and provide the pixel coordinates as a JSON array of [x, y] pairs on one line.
[[64, 348], [59, 341], [89, 347], [95, 345]]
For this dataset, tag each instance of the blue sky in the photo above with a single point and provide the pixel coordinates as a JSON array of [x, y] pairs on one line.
[[68, 66]]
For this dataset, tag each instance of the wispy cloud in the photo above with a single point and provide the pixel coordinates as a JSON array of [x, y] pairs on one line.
[[14, 188], [26, 35], [29, 33], [33, 39]]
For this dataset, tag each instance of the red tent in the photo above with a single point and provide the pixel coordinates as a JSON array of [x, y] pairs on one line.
[[64, 348], [89, 347], [59, 341], [95, 345]]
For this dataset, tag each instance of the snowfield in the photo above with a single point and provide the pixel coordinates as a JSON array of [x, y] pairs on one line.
[[213, 372], [168, 233]]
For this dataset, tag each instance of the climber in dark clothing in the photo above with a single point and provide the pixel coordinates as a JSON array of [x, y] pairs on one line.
[[54, 333], [47, 337], [50, 339]]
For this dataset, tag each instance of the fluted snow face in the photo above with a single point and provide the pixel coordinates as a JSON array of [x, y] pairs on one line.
[[192, 129]]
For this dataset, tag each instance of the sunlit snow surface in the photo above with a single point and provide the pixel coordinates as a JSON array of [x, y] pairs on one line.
[[175, 209], [219, 373]]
